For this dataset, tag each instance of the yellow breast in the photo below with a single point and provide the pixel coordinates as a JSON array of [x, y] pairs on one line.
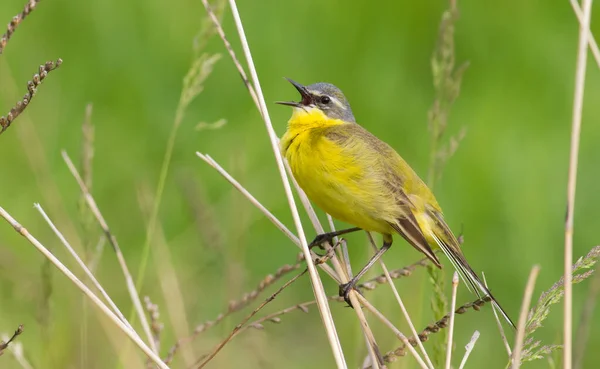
[[331, 179]]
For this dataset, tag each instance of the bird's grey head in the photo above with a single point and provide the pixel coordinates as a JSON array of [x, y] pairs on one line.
[[324, 96]]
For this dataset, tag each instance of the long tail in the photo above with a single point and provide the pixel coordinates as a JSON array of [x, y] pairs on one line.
[[446, 240]]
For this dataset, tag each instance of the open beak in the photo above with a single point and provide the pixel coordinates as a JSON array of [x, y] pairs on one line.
[[306, 98]]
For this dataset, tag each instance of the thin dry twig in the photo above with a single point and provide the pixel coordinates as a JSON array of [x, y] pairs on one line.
[[518, 348], [499, 324], [452, 314], [36, 81], [15, 21], [132, 335], [469, 348], [4, 345], [222, 344], [584, 32], [113, 242]]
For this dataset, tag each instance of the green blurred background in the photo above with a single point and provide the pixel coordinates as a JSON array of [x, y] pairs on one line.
[[506, 185]]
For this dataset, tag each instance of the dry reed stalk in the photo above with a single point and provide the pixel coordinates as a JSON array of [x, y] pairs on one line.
[[469, 348], [518, 348], [135, 298], [401, 304], [15, 21], [36, 81], [452, 314], [318, 290], [81, 263], [498, 323], [44, 251], [584, 32], [222, 344], [4, 345]]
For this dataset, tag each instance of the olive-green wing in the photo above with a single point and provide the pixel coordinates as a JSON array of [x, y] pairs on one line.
[[387, 164]]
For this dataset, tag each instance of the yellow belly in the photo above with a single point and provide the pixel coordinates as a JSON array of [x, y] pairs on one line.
[[335, 182]]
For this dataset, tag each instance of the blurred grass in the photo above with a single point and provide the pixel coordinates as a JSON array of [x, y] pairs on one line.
[[506, 184]]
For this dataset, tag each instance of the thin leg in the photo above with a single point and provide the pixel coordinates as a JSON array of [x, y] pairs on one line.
[[347, 287], [327, 237]]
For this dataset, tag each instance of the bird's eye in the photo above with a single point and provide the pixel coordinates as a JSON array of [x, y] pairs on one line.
[[325, 100]]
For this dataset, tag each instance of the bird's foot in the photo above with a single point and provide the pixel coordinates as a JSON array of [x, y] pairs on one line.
[[320, 240], [345, 289]]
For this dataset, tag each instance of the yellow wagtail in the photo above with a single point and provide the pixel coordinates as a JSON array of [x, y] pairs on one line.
[[361, 180]]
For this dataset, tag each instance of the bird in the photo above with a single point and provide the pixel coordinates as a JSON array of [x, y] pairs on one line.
[[361, 180]]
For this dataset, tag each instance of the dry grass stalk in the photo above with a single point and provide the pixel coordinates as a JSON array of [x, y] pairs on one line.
[[81, 263], [235, 306], [499, 323], [113, 318], [452, 315], [584, 32], [4, 345], [36, 80], [318, 290], [113, 242], [518, 347], [15, 21], [222, 344], [469, 348]]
